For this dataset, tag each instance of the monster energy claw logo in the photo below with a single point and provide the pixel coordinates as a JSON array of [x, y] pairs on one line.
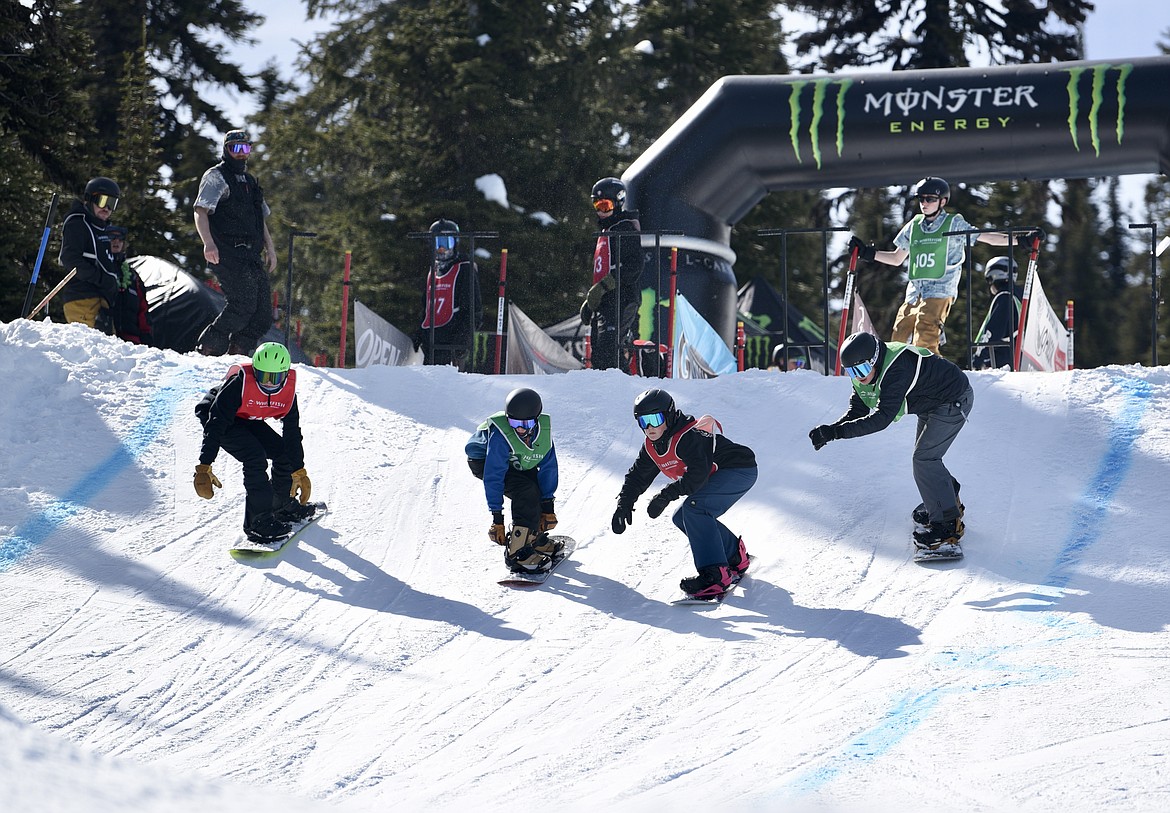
[[1099, 75], [820, 89]]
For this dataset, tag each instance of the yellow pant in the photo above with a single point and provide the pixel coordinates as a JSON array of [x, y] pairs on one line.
[[921, 323], [84, 310]]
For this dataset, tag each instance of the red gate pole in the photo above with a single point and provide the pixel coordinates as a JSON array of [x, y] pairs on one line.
[[845, 308]]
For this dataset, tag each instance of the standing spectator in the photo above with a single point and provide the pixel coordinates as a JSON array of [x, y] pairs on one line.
[[131, 315], [513, 453], [234, 415], [611, 306], [229, 216], [85, 245], [891, 379], [709, 471], [936, 263], [993, 342], [452, 292]]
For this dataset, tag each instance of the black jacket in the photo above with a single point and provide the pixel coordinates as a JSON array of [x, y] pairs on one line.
[[625, 257], [1003, 321], [85, 245], [697, 449], [468, 305], [939, 381]]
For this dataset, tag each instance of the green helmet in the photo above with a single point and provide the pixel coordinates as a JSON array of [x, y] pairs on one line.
[[270, 365]]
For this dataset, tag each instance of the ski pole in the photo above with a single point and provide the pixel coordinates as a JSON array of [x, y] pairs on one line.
[[24, 311], [52, 294], [846, 305]]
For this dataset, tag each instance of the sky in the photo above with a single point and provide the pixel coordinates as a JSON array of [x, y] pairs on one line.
[[377, 665]]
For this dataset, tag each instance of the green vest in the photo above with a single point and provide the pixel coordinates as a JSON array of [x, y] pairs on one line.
[[871, 393], [525, 457], [928, 252]]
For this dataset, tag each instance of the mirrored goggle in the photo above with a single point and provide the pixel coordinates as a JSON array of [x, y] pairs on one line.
[[860, 370], [444, 244], [522, 423], [105, 202], [240, 148], [653, 419], [270, 380], [604, 205]]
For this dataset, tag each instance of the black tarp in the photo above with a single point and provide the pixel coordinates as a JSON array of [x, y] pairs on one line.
[[181, 306]]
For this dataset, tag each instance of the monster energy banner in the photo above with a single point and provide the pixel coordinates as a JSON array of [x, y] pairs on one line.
[[805, 339]]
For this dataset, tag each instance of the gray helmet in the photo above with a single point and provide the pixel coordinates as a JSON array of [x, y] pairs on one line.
[[1000, 269], [932, 186], [861, 348], [523, 404]]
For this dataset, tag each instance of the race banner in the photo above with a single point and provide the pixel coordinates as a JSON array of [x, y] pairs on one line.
[[531, 351], [379, 342], [1044, 345], [699, 352]]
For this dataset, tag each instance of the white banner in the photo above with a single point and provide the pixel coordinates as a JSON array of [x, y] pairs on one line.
[[699, 352], [1045, 342], [531, 351], [379, 342]]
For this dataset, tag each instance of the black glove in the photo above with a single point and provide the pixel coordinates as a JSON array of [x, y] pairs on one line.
[[658, 504], [1035, 234], [623, 516], [820, 435], [586, 312], [865, 252], [416, 340]]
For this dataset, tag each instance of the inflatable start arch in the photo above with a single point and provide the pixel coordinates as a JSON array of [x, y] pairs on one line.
[[751, 135]]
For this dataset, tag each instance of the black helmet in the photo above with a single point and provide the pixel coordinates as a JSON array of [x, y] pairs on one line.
[[1000, 269], [652, 401], [932, 186], [861, 348], [523, 404], [445, 234], [103, 186], [609, 189]]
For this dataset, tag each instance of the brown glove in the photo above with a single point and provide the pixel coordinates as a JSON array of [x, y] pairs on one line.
[[548, 522], [204, 480], [301, 487], [497, 533]]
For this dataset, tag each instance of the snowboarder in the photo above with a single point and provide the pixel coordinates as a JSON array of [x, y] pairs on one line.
[[706, 468], [513, 453], [85, 245], [891, 379], [936, 263], [611, 305], [993, 348], [233, 414]]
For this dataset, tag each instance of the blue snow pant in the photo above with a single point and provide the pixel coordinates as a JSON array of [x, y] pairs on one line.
[[711, 541]]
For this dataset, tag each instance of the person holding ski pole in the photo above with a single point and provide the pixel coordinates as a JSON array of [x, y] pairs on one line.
[[513, 453], [234, 414], [710, 473]]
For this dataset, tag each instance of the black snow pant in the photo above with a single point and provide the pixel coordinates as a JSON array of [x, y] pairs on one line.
[[254, 443], [523, 489], [247, 316]]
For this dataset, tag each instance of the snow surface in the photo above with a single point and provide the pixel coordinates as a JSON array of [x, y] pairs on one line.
[[378, 666]]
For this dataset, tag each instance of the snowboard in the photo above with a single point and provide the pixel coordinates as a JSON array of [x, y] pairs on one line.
[[691, 601], [534, 579], [944, 553], [246, 550]]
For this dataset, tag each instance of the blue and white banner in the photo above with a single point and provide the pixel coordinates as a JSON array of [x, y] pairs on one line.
[[699, 352]]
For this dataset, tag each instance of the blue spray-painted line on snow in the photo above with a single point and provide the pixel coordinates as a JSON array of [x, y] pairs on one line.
[[1092, 506], [910, 711], [159, 414]]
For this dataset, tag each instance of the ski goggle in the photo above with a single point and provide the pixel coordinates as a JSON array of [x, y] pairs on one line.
[[603, 205], [105, 202], [653, 419], [270, 381], [445, 243], [240, 148], [860, 370], [522, 423]]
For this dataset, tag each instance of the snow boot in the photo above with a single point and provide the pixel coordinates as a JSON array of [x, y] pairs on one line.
[[545, 544], [922, 517], [937, 534], [293, 512], [266, 528], [738, 562], [520, 556], [712, 582]]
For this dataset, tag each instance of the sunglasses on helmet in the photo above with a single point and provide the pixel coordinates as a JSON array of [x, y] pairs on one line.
[[240, 148], [522, 423], [653, 419], [105, 202], [603, 205]]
